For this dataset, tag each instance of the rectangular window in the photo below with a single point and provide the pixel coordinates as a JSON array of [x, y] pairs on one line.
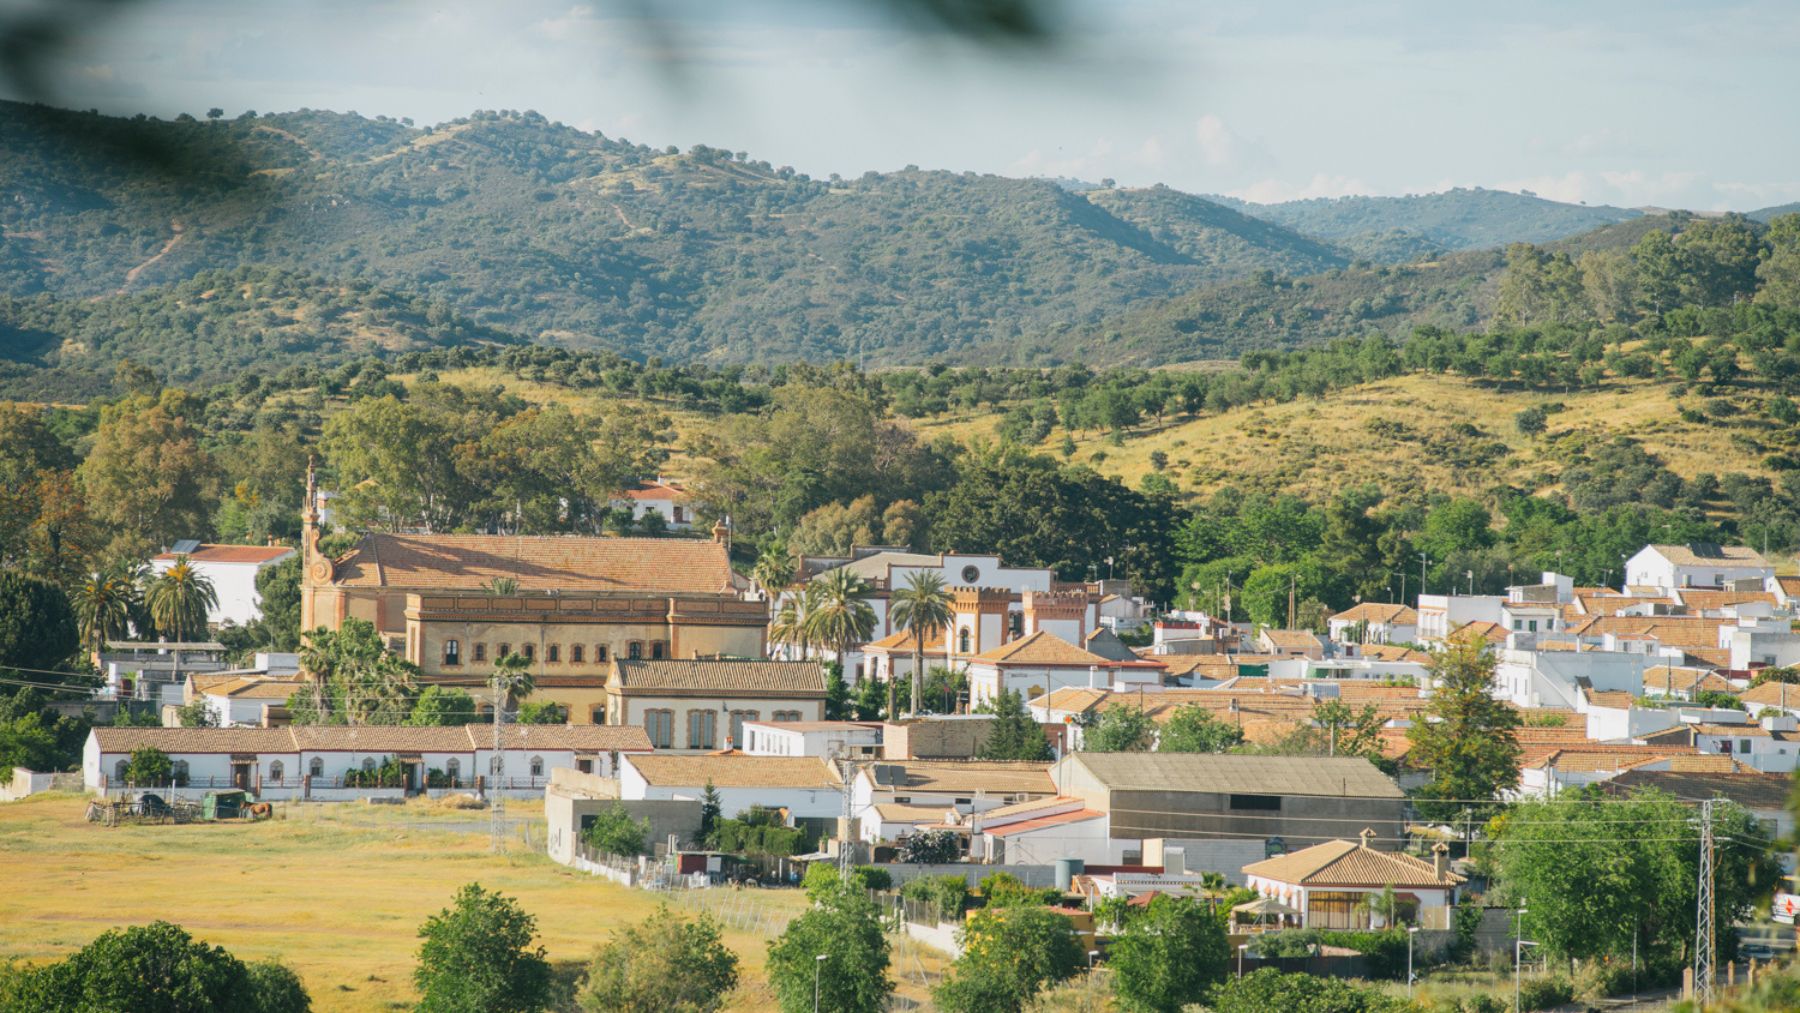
[[659, 650], [737, 725], [529, 650], [1257, 803], [576, 654], [702, 726], [480, 652], [659, 725], [599, 652], [634, 650], [1743, 745], [553, 653], [452, 653], [505, 649]]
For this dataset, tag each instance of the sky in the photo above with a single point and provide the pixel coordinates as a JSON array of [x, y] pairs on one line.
[[1638, 103]]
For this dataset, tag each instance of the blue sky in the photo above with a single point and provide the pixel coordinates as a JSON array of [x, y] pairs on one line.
[[1650, 102]]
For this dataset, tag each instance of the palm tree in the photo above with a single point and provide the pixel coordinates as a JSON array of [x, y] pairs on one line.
[[789, 624], [501, 587], [512, 678], [179, 599], [839, 617], [103, 606], [923, 607], [772, 573]]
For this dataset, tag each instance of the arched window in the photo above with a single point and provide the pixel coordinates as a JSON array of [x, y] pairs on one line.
[[178, 771], [599, 652], [529, 650], [505, 649], [537, 766], [553, 653], [496, 764], [368, 765], [480, 652], [453, 770], [577, 654], [634, 650], [962, 642], [316, 766], [276, 770]]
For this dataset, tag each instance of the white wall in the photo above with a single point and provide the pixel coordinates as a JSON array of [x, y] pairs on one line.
[[235, 584]]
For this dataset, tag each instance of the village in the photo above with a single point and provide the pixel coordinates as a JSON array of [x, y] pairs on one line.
[[685, 728]]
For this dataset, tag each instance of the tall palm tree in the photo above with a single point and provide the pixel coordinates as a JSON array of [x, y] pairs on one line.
[[512, 678], [103, 606], [923, 607], [179, 599], [789, 623], [840, 618], [772, 573]]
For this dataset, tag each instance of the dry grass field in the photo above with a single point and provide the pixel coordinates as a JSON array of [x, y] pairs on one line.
[[335, 891]]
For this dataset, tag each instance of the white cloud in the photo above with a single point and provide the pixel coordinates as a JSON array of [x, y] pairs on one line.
[[1217, 143], [1274, 191]]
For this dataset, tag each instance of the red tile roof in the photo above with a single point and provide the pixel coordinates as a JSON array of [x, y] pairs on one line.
[[258, 554], [538, 563]]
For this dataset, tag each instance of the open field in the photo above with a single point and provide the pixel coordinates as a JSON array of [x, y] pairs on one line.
[[335, 891]]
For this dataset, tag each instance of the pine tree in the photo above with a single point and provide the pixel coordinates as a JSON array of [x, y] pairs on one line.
[[1014, 735]]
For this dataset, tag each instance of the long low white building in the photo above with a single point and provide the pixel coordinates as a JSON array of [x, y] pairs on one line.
[[325, 762]]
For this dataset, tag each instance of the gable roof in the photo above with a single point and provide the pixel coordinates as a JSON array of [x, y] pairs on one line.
[[1347, 863], [209, 553], [1686, 632], [1710, 599], [537, 563], [1042, 822], [874, 566], [372, 738], [1299, 641], [1107, 644], [1772, 694], [1699, 554], [1041, 648], [1480, 630], [250, 687], [1378, 613], [905, 642], [959, 777], [720, 677], [1334, 777], [1756, 791], [736, 770], [655, 491]]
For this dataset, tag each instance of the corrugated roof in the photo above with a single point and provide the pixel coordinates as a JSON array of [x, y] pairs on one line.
[[1041, 648], [1043, 822], [258, 554], [538, 563], [1344, 863], [736, 770], [1750, 790], [742, 677], [1337, 777]]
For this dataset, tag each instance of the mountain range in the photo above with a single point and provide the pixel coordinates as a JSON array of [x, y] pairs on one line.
[[509, 227]]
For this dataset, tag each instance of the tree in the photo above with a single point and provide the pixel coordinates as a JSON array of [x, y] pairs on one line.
[[1119, 729], [26, 741], [179, 599], [512, 678], [1465, 735], [841, 616], [155, 968], [1779, 273], [845, 927], [147, 476], [1009, 955], [543, 712], [1013, 734], [354, 679], [1531, 421], [1194, 729], [792, 621], [195, 715], [1572, 859], [772, 574], [930, 847], [37, 627], [442, 705], [923, 608], [1168, 956], [1349, 732], [102, 604], [614, 833], [477, 957], [663, 964], [149, 766]]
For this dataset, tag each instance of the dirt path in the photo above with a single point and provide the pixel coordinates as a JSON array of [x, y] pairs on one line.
[[174, 240], [300, 142]]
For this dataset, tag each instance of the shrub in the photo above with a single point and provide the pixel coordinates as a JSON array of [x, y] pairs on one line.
[[1168, 956], [477, 955], [1269, 989], [870, 878], [930, 847], [149, 766], [1003, 889], [1008, 956], [948, 894], [821, 879], [155, 967], [613, 833], [664, 963], [1545, 993]]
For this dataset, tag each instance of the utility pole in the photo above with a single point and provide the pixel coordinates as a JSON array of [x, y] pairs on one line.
[[847, 771], [1422, 561], [1703, 914], [496, 765], [1291, 581]]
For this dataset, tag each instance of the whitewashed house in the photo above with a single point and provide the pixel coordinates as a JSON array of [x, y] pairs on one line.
[[842, 740], [659, 497], [1697, 565], [808, 787], [1374, 623], [1327, 882], [232, 569], [1042, 662]]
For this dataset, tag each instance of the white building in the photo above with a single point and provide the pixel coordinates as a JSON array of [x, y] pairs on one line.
[[1443, 614], [808, 787], [939, 786], [244, 701], [1529, 678], [1042, 663], [232, 570], [841, 740], [658, 497], [1326, 882], [1761, 640], [1375, 623], [1696, 565], [314, 761]]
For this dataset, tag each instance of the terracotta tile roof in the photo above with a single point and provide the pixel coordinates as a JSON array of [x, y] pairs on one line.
[[1070, 698], [1705, 599], [195, 740], [967, 777], [1616, 699], [1041, 648], [1743, 731], [1672, 678], [1030, 806], [1708, 763], [1685, 632], [1575, 732], [736, 770], [258, 554], [538, 563], [1755, 791], [373, 738], [1044, 822], [1293, 641], [1711, 657], [1712, 555], [253, 688], [1335, 777], [900, 812], [903, 642], [1772, 694], [739, 678], [1484, 630], [655, 491], [1598, 758], [1345, 863], [1393, 652], [1607, 603], [1379, 614], [1790, 586]]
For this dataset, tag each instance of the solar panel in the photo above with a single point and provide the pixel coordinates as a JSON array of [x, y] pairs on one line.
[[186, 547], [1706, 550]]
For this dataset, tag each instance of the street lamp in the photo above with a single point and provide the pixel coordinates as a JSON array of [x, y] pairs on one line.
[[1519, 944], [1411, 931], [1241, 948], [818, 962], [1087, 987]]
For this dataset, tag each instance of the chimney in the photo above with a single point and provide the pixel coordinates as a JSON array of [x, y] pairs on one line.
[[1174, 861], [1440, 855], [1368, 836], [1093, 676], [721, 532]]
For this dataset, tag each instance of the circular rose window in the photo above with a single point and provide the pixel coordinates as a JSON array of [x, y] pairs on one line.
[[970, 574]]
